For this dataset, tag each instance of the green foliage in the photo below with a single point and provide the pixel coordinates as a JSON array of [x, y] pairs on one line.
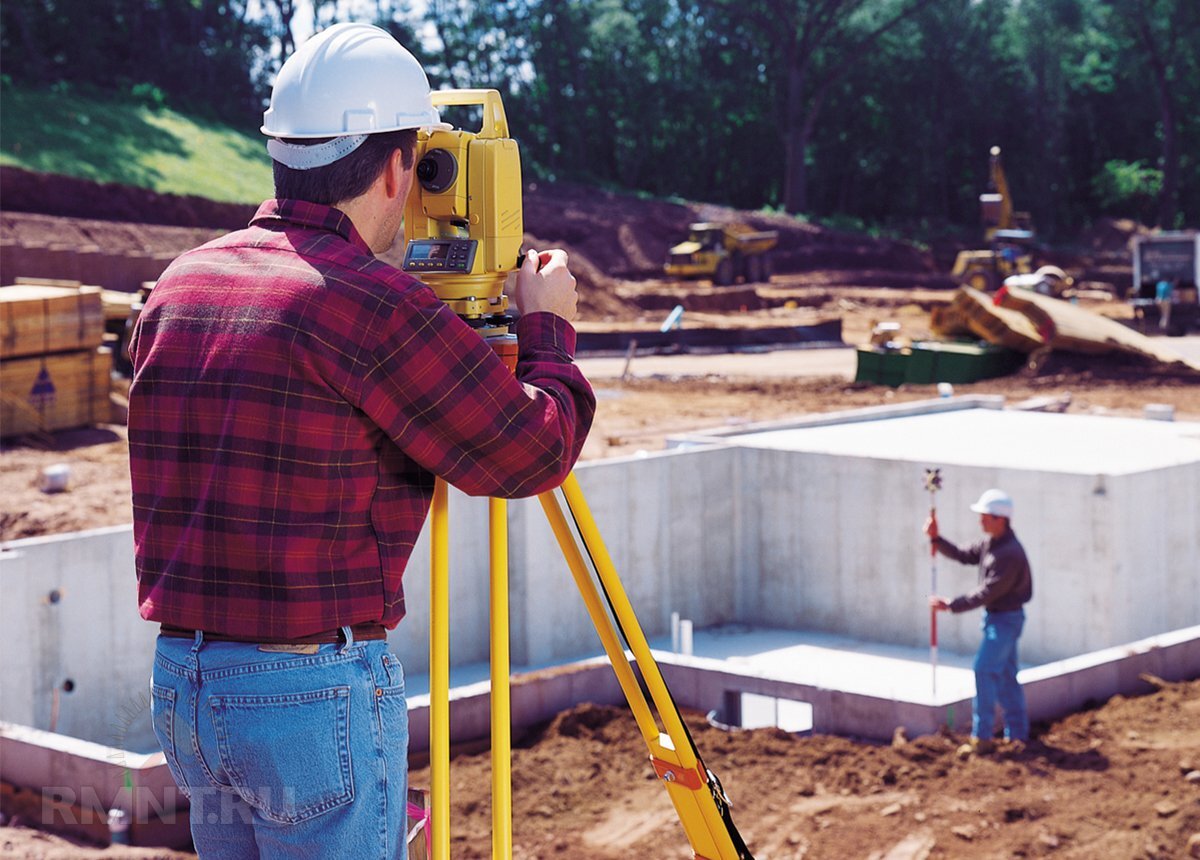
[[119, 139], [210, 55], [883, 111], [1127, 186], [149, 95]]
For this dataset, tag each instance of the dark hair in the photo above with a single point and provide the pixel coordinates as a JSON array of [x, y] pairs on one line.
[[347, 177]]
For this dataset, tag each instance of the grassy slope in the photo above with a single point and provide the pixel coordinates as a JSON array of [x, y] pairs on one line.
[[114, 138]]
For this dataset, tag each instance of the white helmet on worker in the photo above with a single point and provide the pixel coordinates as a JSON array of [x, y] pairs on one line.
[[995, 502], [344, 83]]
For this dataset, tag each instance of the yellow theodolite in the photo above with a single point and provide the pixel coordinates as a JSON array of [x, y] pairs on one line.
[[463, 218], [464, 227]]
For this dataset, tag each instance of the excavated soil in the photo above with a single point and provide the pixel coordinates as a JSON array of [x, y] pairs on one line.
[[1118, 781]]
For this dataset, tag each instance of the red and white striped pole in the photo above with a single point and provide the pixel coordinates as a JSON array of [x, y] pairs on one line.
[[933, 483]]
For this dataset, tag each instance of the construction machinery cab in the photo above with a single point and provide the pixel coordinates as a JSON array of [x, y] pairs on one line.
[[706, 235], [1009, 252]]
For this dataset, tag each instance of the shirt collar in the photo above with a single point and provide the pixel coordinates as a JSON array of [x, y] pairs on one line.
[[314, 215]]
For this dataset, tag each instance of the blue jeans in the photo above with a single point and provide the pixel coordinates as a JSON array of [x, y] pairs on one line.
[[285, 754], [996, 678]]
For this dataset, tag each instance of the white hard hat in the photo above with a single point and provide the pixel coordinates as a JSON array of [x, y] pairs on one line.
[[345, 82], [995, 502]]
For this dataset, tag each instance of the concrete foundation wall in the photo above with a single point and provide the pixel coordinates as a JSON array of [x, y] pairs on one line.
[[69, 610], [1156, 541], [666, 522], [763, 537], [81, 781], [835, 543]]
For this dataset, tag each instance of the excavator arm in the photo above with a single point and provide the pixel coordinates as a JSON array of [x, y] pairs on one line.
[[998, 184]]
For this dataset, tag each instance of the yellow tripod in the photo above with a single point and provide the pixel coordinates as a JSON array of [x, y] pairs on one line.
[[696, 793], [465, 227]]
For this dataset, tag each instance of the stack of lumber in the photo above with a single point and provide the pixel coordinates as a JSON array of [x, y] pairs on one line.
[[54, 371], [117, 304]]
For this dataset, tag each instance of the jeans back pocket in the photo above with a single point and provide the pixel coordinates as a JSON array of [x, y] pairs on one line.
[[287, 755], [162, 718]]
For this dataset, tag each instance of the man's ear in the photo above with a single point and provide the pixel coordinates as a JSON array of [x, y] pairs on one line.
[[393, 175]]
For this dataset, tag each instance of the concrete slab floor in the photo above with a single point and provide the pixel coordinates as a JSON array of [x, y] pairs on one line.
[[796, 679], [804, 657], [1032, 441]]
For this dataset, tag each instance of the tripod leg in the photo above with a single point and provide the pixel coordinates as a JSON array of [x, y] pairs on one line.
[[696, 793], [439, 672], [595, 607], [502, 832], [623, 610]]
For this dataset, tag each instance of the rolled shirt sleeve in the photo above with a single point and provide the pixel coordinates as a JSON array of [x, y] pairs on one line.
[[440, 392]]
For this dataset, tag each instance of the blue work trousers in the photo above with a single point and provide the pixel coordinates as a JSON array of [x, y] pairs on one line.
[[286, 755], [996, 678]]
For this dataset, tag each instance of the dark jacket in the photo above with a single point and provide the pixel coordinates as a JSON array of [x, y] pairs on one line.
[[1005, 580]]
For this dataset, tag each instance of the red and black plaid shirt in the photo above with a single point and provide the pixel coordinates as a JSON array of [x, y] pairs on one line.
[[293, 398]]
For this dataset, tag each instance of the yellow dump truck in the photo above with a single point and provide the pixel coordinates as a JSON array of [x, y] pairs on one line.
[[724, 252]]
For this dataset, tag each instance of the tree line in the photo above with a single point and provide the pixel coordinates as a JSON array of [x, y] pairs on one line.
[[872, 111]]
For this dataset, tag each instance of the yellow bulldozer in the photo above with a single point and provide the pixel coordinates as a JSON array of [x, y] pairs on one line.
[[1009, 236], [726, 253]]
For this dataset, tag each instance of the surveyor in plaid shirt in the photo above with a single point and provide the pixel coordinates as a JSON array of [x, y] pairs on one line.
[[293, 400]]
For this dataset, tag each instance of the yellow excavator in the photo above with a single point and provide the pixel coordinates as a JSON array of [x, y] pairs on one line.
[[1009, 236]]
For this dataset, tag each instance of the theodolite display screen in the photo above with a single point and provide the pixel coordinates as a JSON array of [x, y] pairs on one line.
[[440, 255]]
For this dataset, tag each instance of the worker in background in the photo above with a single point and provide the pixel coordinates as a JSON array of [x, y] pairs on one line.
[[1005, 586], [1163, 291], [293, 400]]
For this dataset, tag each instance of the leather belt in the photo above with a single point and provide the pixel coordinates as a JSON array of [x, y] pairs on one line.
[[364, 631]]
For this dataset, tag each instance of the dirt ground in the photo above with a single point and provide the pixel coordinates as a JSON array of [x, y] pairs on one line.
[[1117, 781]]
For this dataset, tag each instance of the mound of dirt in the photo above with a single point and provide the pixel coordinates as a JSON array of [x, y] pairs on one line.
[[627, 237], [613, 239], [53, 194]]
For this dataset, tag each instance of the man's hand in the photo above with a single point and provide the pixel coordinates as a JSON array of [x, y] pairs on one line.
[[550, 289], [931, 527], [941, 604]]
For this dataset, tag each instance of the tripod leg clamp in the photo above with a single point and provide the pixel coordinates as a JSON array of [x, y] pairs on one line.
[[673, 773]]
